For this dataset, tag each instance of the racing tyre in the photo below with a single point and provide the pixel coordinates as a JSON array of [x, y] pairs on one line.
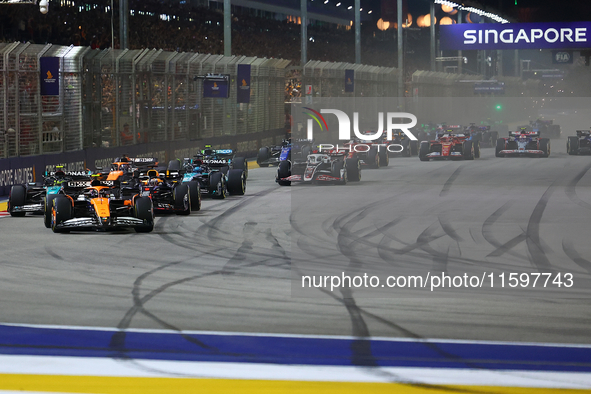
[[60, 212], [545, 146], [217, 186], [500, 146], [195, 195], [182, 199], [353, 170], [144, 210], [572, 145], [414, 148], [373, 158], [17, 197], [337, 166], [236, 182], [476, 145], [47, 204], [468, 150], [384, 158], [239, 163], [283, 171], [174, 165], [263, 156], [424, 151]]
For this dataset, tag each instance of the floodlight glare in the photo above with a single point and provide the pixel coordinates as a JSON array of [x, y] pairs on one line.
[[44, 6]]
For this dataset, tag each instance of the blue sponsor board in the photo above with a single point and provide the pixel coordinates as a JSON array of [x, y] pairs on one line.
[[243, 83], [555, 35], [349, 81], [50, 71], [214, 87]]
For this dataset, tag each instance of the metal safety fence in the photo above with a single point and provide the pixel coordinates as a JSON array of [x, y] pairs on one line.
[[117, 98], [439, 84], [328, 80], [112, 98]]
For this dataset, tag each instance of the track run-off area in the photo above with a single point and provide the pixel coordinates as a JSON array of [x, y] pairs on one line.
[[213, 302]]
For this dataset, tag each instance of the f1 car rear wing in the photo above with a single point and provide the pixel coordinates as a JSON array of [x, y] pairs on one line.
[[216, 161], [143, 161], [154, 170], [84, 182], [581, 133], [523, 132], [452, 134], [68, 173], [136, 160], [208, 151]]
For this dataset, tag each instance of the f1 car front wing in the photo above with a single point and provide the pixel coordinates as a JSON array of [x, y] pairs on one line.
[[521, 152]]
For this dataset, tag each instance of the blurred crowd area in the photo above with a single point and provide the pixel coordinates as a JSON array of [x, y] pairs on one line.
[[191, 29]]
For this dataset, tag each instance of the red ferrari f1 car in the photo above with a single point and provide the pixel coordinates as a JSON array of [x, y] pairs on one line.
[[450, 145]]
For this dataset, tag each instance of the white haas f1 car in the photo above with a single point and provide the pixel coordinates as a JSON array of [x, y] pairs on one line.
[[329, 167], [523, 143]]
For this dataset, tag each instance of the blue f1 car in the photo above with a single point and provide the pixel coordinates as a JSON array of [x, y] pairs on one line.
[[579, 145]]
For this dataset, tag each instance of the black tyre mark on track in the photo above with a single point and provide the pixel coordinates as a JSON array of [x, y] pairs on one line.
[[243, 251], [118, 339], [507, 246], [440, 260], [346, 241], [487, 232], [534, 246], [360, 347], [571, 188], [198, 242], [276, 246], [572, 253], [449, 230], [53, 254], [213, 225], [449, 182], [361, 354]]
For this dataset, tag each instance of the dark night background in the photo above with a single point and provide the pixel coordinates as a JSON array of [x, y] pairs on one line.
[[540, 10]]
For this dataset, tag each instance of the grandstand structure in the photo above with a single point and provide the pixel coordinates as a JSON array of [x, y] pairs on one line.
[[319, 11]]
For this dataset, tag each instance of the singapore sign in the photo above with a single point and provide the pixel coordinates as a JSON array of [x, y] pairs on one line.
[[551, 35]]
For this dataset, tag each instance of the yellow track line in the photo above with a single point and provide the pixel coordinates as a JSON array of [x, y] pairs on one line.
[[252, 164], [150, 385]]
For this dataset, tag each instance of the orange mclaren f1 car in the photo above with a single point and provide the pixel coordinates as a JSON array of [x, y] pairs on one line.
[[99, 207]]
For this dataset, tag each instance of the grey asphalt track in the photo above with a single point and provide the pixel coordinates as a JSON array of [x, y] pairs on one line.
[[228, 266]]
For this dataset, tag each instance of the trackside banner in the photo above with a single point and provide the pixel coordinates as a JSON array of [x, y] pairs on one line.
[[551, 35]]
